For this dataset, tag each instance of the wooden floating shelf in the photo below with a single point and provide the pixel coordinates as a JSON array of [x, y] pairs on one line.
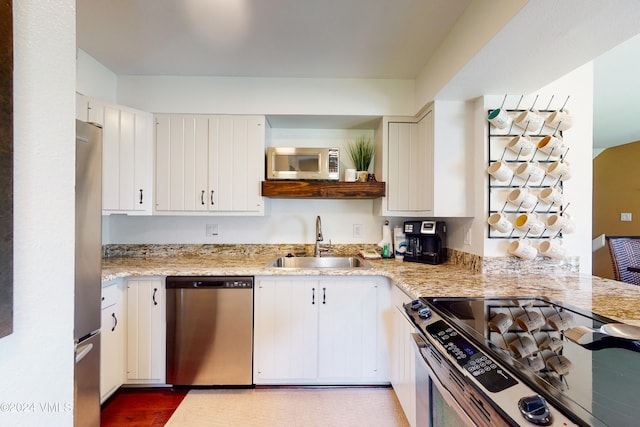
[[323, 189]]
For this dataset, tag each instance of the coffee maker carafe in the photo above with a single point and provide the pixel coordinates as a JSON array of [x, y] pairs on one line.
[[426, 241]]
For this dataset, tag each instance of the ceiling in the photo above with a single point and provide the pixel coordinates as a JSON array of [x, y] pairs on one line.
[[379, 39]]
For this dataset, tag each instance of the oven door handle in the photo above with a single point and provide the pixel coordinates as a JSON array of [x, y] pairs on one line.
[[420, 343]]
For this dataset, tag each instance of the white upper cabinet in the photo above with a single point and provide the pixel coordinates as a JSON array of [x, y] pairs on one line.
[[126, 157], [424, 163], [209, 164]]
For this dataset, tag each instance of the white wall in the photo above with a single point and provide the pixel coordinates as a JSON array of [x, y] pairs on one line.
[[94, 79], [616, 108], [480, 22], [578, 189], [36, 361], [286, 221], [233, 95]]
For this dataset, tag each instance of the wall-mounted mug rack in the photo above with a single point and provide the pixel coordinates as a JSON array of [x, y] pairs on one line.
[[526, 172]]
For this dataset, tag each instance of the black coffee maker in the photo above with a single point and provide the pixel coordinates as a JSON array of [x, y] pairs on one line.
[[426, 241]]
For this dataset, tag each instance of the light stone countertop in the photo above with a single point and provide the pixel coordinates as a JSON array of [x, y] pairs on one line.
[[619, 301]]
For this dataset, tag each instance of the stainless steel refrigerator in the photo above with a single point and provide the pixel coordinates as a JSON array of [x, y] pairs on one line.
[[88, 259]]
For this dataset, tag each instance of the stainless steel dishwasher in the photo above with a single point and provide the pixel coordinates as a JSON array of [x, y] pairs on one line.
[[209, 331]]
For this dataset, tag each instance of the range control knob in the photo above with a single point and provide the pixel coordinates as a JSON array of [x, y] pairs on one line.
[[535, 410], [424, 312], [416, 304]]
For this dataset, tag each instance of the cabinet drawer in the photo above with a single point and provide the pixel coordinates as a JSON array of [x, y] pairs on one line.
[[110, 295]]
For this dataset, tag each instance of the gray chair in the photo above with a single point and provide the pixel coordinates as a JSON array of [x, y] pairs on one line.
[[625, 252]]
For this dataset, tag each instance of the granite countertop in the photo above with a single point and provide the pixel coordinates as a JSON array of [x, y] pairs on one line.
[[619, 301]]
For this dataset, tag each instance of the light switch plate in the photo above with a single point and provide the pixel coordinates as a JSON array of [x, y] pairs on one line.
[[625, 216]]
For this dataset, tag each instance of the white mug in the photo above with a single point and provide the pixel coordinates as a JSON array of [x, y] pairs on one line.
[[561, 322], [551, 196], [530, 321], [350, 175], [522, 146], [522, 249], [561, 118], [523, 346], [530, 171], [500, 323], [529, 223], [530, 121], [500, 118], [562, 223], [534, 362], [501, 171], [522, 198], [552, 249], [551, 145], [500, 222], [560, 170]]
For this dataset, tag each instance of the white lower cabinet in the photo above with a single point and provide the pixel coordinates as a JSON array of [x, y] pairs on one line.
[[146, 329], [112, 339], [320, 330], [402, 356]]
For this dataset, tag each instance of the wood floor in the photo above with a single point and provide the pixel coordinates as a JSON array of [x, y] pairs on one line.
[[136, 407], [262, 406]]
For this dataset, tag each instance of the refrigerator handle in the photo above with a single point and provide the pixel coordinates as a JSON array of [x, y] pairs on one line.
[[81, 352]]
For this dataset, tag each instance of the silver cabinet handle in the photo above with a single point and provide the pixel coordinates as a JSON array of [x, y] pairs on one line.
[[202, 197], [212, 203], [324, 295], [313, 295], [141, 196], [115, 322], [154, 296]]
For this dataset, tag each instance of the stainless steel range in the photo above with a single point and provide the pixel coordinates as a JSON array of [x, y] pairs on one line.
[[523, 361]]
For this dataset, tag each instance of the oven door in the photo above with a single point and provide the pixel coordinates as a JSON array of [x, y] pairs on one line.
[[435, 405]]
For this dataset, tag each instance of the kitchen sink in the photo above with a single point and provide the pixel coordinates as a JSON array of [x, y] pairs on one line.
[[320, 262]]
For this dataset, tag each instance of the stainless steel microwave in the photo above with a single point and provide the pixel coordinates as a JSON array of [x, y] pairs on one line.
[[303, 163]]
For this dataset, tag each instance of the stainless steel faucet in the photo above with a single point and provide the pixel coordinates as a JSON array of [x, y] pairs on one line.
[[319, 248]]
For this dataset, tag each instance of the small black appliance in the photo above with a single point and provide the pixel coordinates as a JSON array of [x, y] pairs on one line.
[[426, 241]]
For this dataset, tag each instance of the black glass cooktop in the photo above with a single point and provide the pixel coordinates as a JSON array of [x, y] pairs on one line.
[[559, 350]]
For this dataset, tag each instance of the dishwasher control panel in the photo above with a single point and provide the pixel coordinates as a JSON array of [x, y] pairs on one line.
[[238, 284], [185, 282]]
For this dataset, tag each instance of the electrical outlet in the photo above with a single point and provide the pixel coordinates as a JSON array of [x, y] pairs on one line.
[[467, 236], [625, 216], [357, 230], [211, 230]]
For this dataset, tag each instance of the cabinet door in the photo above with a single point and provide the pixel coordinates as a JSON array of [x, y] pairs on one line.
[[410, 165], [146, 340], [209, 163], [285, 331], [182, 163], [126, 157], [112, 341], [402, 357], [348, 339], [236, 163]]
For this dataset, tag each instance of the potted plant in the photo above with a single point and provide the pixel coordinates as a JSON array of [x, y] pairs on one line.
[[361, 152]]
